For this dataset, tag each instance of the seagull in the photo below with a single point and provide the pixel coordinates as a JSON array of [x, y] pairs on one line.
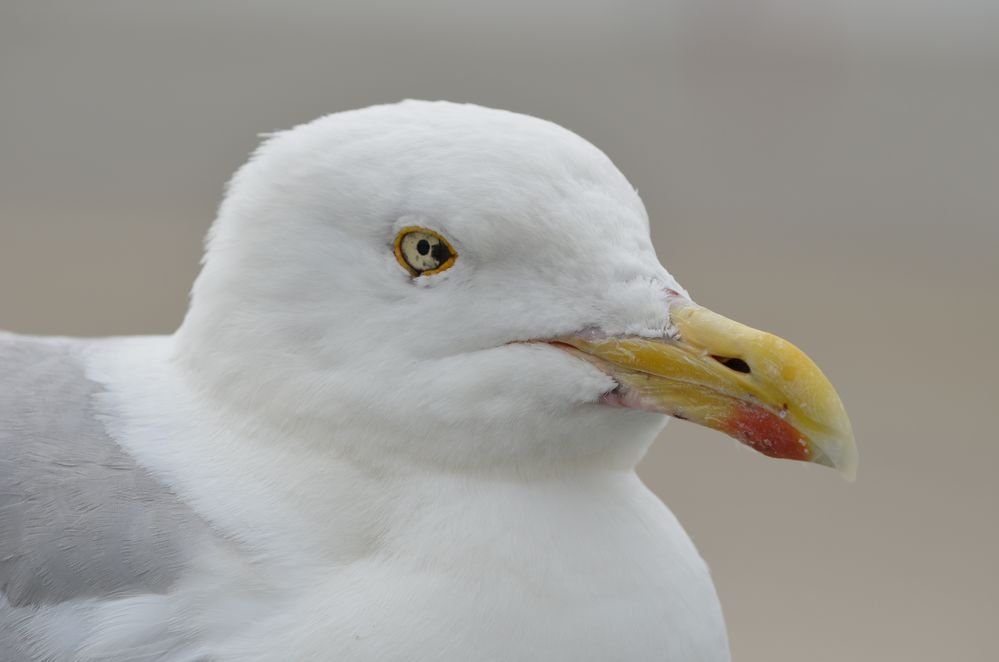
[[428, 346]]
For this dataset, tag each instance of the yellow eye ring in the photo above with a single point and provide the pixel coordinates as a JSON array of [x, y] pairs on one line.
[[423, 252]]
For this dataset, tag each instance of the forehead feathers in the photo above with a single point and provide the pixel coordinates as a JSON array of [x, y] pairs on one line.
[[461, 164]]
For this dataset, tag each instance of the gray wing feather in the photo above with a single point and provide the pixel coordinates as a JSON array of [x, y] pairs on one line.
[[81, 523], [78, 517]]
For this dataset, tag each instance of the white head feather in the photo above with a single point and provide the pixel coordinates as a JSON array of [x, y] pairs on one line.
[[303, 316]]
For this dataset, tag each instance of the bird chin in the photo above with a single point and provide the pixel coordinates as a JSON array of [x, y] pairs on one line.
[[625, 398]]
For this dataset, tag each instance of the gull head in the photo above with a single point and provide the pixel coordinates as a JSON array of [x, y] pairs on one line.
[[473, 289]]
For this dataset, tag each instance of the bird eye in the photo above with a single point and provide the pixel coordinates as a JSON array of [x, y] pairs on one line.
[[423, 252]]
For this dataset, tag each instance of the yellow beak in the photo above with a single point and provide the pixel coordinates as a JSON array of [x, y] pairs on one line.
[[752, 385]]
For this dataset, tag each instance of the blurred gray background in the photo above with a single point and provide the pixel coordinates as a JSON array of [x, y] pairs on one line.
[[828, 171]]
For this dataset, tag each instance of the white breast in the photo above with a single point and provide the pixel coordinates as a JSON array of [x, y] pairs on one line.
[[351, 566]]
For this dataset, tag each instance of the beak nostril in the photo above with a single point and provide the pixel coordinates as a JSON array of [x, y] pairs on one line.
[[733, 363]]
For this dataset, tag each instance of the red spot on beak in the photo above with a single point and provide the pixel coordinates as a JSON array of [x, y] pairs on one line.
[[766, 432]]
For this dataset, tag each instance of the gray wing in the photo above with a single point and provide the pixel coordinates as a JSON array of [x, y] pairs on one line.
[[79, 519]]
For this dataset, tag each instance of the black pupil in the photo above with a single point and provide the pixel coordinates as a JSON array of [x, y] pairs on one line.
[[423, 246]]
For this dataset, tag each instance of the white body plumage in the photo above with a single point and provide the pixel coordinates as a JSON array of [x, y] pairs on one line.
[[384, 467]]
